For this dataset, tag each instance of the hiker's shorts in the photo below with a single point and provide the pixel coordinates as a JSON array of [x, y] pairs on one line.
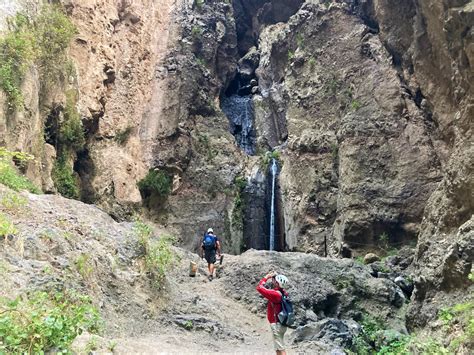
[[278, 332], [210, 256]]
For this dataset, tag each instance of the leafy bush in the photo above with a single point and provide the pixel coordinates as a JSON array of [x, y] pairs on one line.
[[156, 182], [64, 179], [9, 175], [71, 131], [42, 321]]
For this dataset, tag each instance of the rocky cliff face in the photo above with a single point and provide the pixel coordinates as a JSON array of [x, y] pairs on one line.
[[369, 103]]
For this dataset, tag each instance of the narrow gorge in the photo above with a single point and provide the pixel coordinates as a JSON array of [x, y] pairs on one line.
[[330, 140]]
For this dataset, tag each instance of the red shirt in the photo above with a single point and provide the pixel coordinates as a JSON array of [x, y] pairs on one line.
[[274, 300]]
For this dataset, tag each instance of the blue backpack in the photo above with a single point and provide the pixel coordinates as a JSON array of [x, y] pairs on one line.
[[209, 242], [286, 316]]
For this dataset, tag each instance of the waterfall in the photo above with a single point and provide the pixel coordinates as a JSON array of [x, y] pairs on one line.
[[274, 170], [239, 110]]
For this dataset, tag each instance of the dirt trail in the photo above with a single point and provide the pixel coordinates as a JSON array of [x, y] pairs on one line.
[[215, 323]]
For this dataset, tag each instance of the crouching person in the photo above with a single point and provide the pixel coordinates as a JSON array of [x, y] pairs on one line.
[[274, 307]]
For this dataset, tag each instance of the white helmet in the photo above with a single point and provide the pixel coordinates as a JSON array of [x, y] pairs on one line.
[[282, 281], [210, 230]]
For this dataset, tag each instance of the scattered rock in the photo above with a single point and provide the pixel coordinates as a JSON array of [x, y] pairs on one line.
[[371, 258]]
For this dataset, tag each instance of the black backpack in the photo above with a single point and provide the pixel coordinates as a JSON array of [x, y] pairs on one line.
[[209, 242], [286, 316]]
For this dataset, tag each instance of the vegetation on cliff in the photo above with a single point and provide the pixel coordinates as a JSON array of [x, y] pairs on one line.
[[41, 40]]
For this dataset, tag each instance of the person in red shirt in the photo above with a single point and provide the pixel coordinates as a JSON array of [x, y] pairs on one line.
[[273, 295]]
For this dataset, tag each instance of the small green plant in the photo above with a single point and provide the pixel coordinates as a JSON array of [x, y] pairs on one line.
[[84, 265], [355, 104], [6, 227], [300, 41], [142, 232], [71, 131], [188, 325], [157, 183], [267, 157], [312, 62], [111, 346], [471, 276], [201, 62], [291, 55], [199, 4], [196, 32], [41, 322], [122, 136], [205, 147], [64, 178], [91, 345]]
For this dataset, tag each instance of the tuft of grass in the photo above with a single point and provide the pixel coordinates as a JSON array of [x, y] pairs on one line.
[[83, 265]]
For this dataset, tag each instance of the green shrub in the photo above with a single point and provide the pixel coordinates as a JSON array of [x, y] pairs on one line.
[[64, 179], [9, 175], [71, 131], [159, 259], [42, 322], [196, 32], [156, 182], [312, 62], [267, 157]]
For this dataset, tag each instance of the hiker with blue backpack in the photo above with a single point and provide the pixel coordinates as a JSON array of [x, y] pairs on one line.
[[209, 246], [279, 308]]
